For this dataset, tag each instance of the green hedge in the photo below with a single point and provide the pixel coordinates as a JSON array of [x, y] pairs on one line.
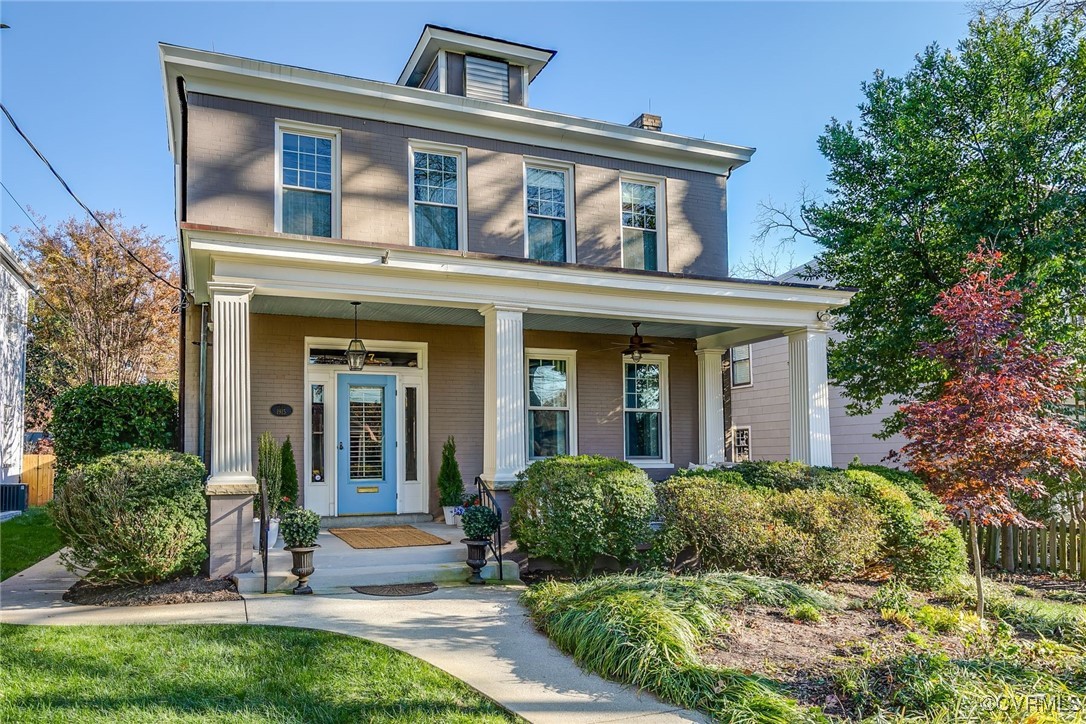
[[95, 420], [573, 509], [134, 517]]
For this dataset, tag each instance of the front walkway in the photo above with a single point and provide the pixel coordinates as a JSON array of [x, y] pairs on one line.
[[480, 635]]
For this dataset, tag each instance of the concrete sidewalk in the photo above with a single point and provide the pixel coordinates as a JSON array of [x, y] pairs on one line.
[[481, 635]]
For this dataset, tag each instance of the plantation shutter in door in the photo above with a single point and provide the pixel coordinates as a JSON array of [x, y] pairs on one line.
[[486, 79], [367, 433]]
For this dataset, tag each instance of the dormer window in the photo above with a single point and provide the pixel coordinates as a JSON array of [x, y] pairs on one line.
[[487, 79]]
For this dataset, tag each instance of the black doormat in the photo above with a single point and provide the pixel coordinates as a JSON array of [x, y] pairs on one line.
[[400, 589]]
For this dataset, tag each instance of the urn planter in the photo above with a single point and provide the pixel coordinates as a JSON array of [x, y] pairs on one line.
[[476, 559], [303, 567]]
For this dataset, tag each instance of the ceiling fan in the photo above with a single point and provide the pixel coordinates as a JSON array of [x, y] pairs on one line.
[[638, 346]]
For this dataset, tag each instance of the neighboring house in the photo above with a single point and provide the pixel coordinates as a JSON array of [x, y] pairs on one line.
[[759, 429], [14, 298], [500, 255]]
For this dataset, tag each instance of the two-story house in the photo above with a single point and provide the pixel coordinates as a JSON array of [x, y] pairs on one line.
[[497, 257]]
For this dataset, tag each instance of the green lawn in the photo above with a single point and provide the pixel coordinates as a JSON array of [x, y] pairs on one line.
[[222, 673], [25, 540]]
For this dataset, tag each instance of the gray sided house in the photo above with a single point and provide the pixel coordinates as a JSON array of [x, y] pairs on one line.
[[499, 255], [14, 297]]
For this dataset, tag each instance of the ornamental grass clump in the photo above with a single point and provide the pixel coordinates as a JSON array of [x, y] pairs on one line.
[[133, 517]]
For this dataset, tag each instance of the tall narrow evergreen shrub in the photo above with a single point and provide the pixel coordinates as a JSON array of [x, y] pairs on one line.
[[289, 494], [450, 483]]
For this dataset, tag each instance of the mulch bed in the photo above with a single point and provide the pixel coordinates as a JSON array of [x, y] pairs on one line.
[[190, 589]]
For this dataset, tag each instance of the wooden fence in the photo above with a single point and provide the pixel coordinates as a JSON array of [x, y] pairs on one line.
[[1059, 547], [39, 472]]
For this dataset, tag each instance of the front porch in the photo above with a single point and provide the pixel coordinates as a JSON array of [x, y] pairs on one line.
[[466, 345]]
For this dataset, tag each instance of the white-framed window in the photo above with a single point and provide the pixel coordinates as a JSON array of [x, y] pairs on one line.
[[438, 195], [644, 243], [742, 372], [307, 172], [551, 389], [645, 411], [548, 211], [741, 444]]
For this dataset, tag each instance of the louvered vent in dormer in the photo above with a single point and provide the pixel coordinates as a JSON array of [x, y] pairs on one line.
[[486, 79]]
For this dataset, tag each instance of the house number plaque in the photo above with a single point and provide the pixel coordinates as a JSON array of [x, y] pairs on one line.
[[282, 410]]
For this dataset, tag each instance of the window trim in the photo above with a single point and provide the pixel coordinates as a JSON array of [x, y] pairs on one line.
[[570, 357], [731, 367], [461, 152], [282, 126], [664, 461], [735, 443], [567, 168], [660, 183]]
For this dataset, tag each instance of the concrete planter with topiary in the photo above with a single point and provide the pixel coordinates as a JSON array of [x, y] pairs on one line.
[[480, 523], [300, 528]]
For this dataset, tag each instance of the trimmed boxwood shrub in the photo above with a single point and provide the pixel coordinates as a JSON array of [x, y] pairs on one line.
[[134, 517], [90, 421], [573, 509], [800, 534]]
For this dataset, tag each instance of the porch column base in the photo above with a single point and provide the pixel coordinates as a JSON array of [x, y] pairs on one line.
[[229, 528]]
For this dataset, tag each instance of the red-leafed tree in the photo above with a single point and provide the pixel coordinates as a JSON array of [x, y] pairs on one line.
[[994, 429]]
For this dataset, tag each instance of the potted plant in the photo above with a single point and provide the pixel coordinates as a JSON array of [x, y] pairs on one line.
[[269, 468], [450, 483], [300, 528], [480, 522], [468, 500]]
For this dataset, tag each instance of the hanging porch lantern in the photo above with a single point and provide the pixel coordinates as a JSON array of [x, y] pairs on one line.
[[356, 351]]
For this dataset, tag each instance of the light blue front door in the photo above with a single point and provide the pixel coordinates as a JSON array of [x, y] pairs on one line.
[[366, 446]]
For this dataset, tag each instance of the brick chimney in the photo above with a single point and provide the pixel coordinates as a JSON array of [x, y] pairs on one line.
[[649, 122]]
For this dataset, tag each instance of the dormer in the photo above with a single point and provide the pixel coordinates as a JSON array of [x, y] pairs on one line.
[[464, 64]]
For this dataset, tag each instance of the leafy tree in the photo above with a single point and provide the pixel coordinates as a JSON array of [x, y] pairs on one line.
[[994, 430], [103, 319], [988, 143]]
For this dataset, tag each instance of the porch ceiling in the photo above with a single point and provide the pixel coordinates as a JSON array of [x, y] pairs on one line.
[[459, 316]]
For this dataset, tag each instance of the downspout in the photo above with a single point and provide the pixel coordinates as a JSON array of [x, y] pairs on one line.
[[182, 186]]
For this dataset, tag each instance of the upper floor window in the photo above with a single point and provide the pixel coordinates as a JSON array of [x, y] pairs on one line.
[[645, 411], [548, 203], [642, 224], [486, 79], [740, 364], [551, 398], [437, 196], [308, 185]]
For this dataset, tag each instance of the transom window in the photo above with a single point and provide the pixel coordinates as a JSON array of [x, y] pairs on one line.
[[641, 225], [437, 190], [551, 395], [644, 409], [740, 364], [547, 204], [307, 183]]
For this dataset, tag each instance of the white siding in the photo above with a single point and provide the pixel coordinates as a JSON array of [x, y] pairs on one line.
[[13, 310], [486, 79]]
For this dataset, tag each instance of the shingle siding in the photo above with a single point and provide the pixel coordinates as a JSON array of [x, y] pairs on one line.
[[231, 169]]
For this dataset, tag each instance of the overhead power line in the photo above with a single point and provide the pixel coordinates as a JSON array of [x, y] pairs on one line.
[[23, 209], [86, 208]]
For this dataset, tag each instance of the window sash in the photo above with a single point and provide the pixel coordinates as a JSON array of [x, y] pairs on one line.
[[741, 367], [550, 416], [643, 412], [307, 181], [436, 193]]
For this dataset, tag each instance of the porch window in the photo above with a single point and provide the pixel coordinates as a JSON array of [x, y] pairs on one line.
[[741, 445], [645, 409], [316, 417], [437, 196], [411, 433], [642, 225], [548, 207], [551, 395], [741, 366], [307, 187]]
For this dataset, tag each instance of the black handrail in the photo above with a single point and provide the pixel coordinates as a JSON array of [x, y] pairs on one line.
[[486, 497], [264, 517]]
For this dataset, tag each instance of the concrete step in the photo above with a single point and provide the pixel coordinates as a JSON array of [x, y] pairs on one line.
[[367, 521], [338, 581]]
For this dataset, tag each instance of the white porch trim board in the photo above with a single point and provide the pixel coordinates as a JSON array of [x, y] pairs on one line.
[[504, 436], [809, 389], [712, 442], [231, 398]]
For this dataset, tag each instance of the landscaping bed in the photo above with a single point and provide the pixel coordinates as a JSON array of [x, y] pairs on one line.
[[186, 589]]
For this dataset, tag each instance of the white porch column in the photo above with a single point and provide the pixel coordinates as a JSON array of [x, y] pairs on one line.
[[809, 389], [231, 413], [711, 433], [504, 438]]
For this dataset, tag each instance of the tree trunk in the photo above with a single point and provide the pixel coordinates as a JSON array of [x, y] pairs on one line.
[[977, 570]]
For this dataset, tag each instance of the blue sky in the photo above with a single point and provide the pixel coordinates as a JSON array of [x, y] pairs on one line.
[[82, 79]]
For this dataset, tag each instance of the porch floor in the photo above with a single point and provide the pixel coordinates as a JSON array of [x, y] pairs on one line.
[[339, 566]]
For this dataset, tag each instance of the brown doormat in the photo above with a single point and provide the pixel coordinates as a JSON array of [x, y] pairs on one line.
[[402, 589], [387, 536]]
